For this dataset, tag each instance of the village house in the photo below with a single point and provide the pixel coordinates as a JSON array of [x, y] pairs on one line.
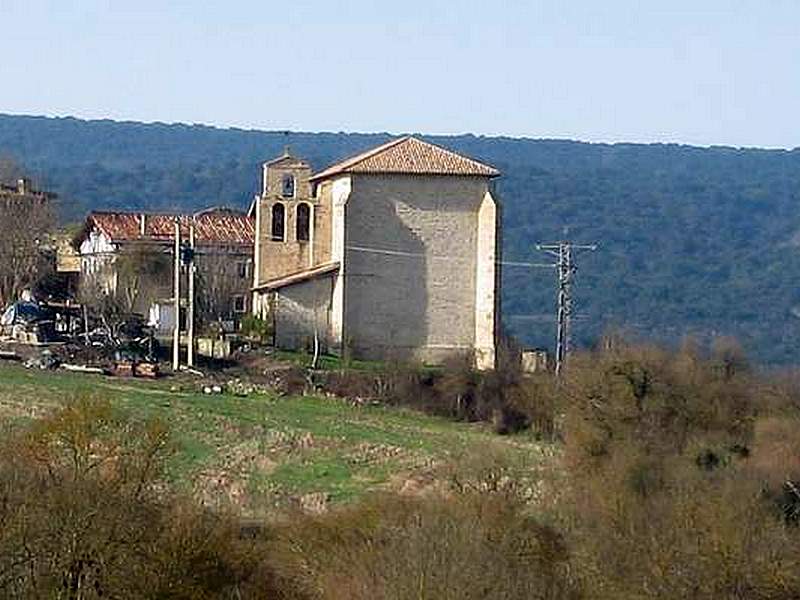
[[391, 254], [129, 257], [23, 191]]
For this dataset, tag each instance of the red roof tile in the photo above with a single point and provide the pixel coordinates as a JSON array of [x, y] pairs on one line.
[[411, 156], [214, 226]]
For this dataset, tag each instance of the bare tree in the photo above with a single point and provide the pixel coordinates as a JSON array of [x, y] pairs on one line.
[[98, 296], [10, 170], [217, 279], [131, 280], [320, 322], [143, 273], [27, 222]]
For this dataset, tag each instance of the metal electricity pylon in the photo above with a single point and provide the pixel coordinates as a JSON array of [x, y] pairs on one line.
[[565, 252]]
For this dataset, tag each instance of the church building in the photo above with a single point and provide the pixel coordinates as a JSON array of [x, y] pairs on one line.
[[389, 255]]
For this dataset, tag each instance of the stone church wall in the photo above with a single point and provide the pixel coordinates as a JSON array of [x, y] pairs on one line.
[[299, 308], [411, 266]]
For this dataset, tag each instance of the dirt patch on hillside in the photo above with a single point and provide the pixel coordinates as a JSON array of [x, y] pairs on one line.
[[225, 483]]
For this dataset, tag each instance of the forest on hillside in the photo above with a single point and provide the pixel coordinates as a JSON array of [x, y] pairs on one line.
[[693, 241]]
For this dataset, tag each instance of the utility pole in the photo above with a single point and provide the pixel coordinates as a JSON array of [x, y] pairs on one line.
[[565, 252], [190, 308], [176, 334]]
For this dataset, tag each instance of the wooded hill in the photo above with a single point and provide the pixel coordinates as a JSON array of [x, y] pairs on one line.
[[700, 241]]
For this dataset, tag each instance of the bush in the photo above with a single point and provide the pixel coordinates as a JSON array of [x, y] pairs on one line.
[[256, 328], [677, 476], [85, 514], [470, 546]]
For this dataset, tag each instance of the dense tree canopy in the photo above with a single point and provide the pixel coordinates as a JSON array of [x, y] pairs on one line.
[[693, 240]]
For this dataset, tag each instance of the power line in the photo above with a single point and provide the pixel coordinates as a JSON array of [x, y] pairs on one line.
[[509, 263], [423, 255], [565, 252]]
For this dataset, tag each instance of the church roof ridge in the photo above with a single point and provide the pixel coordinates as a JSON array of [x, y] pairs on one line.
[[411, 156]]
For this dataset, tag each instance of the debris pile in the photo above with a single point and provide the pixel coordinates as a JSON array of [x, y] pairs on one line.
[[28, 322], [45, 361], [76, 342]]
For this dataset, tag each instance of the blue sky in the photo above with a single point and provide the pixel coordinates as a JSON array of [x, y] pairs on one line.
[[699, 72]]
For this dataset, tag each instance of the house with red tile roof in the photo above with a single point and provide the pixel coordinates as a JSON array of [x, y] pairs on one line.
[[390, 254], [129, 256]]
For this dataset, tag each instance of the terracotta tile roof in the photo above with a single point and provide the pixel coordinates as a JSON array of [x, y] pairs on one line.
[[287, 156], [299, 277], [212, 226], [409, 155]]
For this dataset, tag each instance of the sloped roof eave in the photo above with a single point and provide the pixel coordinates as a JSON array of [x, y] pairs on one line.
[[298, 277], [283, 158], [323, 176]]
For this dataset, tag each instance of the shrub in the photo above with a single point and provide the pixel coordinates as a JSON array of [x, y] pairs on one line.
[[470, 546], [677, 478], [85, 515], [256, 328]]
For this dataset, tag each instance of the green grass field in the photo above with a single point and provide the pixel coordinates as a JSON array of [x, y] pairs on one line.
[[263, 451]]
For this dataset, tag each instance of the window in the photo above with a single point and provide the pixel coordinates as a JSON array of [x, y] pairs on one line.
[[278, 222], [303, 222], [238, 304], [287, 189], [241, 270]]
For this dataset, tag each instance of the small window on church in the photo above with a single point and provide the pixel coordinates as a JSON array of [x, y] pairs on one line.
[[288, 186], [278, 222], [303, 222]]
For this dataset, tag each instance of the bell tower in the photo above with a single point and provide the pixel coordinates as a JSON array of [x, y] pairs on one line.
[[285, 214]]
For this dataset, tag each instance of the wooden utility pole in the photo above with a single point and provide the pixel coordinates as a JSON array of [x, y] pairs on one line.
[[176, 334], [190, 308], [85, 322], [565, 252]]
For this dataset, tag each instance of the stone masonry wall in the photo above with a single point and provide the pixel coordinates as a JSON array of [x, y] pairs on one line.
[[279, 258], [299, 309], [410, 266]]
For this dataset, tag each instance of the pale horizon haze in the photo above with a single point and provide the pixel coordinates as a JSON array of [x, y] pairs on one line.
[[702, 73]]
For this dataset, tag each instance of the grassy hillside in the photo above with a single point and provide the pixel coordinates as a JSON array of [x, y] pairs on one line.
[[262, 451], [693, 240], [675, 475]]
